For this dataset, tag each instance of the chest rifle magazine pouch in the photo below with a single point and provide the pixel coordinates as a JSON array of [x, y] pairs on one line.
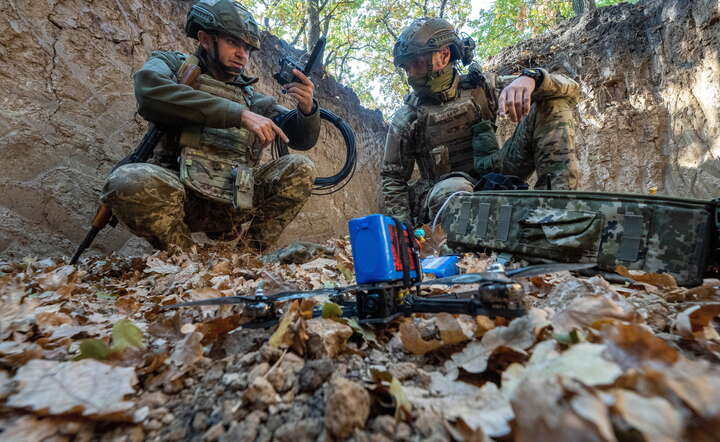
[[215, 164]]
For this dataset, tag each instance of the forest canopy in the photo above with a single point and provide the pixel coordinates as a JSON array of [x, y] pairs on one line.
[[361, 33]]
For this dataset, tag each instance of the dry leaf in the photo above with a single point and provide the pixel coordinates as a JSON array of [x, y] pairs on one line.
[[56, 279], [662, 280], [518, 336], [588, 311], [186, 354], [474, 263], [552, 411], [633, 346], [285, 335], [694, 322], [449, 329], [654, 417], [86, 387], [481, 409]]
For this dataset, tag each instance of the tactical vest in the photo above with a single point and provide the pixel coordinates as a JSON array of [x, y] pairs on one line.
[[448, 134], [218, 163]]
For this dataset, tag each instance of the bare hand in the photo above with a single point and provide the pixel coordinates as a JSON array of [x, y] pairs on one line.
[[302, 92], [262, 127], [515, 98]]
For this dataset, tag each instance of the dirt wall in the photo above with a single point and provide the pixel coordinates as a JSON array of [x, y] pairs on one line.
[[650, 75]]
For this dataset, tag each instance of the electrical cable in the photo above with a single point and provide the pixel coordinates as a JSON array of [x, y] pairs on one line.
[[331, 184]]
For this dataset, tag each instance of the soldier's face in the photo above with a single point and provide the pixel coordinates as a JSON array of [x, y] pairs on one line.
[[233, 53], [418, 65]]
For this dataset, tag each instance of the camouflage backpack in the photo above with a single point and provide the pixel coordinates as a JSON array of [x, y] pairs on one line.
[[640, 232]]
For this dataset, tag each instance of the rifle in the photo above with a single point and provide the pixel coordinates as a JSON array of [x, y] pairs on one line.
[[188, 73]]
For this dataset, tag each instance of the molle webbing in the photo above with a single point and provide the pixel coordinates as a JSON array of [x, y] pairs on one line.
[[210, 85], [450, 124]]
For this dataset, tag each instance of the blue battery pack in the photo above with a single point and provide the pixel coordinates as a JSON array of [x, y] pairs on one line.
[[440, 266], [376, 254]]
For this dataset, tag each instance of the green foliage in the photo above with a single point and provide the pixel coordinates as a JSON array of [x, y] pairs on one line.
[[360, 37], [124, 335], [361, 33], [509, 21]]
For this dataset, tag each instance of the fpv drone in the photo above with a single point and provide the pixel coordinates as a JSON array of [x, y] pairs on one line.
[[497, 294]]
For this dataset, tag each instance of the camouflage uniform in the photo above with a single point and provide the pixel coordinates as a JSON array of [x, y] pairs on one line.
[[544, 141], [151, 200]]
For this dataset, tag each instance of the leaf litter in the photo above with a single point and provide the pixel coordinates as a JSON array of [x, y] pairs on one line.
[[590, 361]]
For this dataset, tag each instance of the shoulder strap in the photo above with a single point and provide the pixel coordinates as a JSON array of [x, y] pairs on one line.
[[190, 61]]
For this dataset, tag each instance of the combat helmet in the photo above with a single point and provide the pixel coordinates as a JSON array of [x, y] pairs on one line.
[[223, 16], [429, 34]]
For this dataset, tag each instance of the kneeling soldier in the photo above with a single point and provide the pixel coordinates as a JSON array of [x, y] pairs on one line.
[[447, 125], [204, 176]]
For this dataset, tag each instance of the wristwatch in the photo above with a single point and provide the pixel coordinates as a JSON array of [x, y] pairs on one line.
[[535, 74]]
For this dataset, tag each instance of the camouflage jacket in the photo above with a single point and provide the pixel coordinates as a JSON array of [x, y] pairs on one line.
[[163, 101], [402, 143]]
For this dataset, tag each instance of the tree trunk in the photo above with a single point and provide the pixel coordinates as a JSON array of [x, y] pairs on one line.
[[583, 6], [313, 19]]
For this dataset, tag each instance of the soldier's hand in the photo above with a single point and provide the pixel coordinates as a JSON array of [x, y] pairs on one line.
[[262, 127], [302, 92], [515, 98]]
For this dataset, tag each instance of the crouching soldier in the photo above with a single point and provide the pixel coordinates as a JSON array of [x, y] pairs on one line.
[[447, 125], [204, 175]]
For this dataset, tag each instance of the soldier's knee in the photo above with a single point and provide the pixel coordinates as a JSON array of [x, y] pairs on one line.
[[301, 165], [555, 110], [142, 183]]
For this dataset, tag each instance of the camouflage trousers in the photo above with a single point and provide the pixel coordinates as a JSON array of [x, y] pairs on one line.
[[153, 203], [543, 142]]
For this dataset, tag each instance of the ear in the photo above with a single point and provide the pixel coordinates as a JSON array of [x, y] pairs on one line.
[[205, 39], [445, 55]]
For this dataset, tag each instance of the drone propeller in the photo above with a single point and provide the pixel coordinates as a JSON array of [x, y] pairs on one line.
[[469, 278], [288, 296], [218, 301], [541, 269]]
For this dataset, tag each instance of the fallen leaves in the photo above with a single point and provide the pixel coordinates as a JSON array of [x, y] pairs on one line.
[[519, 335], [449, 330], [590, 361], [89, 388]]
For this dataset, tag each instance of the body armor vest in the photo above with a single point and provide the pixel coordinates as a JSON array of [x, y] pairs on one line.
[[449, 133], [218, 163]]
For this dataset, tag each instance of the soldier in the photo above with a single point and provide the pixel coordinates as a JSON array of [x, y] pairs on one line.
[[447, 124], [204, 176]]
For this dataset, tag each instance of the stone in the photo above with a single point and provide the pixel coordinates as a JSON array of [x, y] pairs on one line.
[[315, 373], [168, 418], [153, 425], [305, 430], [235, 381], [245, 430], [258, 370], [200, 421], [327, 338], [261, 393], [347, 407], [404, 370], [284, 375], [384, 424], [214, 433], [216, 372]]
